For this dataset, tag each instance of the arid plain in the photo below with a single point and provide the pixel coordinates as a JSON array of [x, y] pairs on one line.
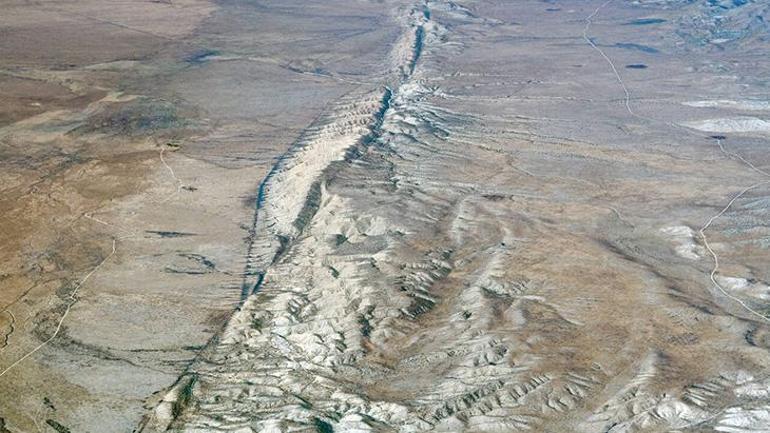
[[385, 216]]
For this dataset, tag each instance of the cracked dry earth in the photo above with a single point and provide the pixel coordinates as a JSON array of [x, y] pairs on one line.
[[411, 216]]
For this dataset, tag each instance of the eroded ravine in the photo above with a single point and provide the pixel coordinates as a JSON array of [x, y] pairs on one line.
[[428, 258], [288, 197]]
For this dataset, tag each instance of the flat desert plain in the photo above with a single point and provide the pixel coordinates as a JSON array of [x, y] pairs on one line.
[[384, 216]]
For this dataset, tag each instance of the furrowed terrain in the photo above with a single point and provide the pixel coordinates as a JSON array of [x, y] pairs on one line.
[[411, 216]]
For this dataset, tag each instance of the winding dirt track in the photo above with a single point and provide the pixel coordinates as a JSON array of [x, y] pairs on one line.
[[73, 299], [702, 230]]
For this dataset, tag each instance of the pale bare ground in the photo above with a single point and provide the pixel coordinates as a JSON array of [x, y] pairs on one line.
[[410, 216], [487, 263], [128, 196]]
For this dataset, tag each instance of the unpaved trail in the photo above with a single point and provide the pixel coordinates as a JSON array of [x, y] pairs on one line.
[[73, 299], [704, 238], [429, 286], [627, 99], [177, 181], [589, 21], [430, 230]]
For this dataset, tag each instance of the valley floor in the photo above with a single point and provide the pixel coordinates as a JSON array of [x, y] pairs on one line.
[[386, 216]]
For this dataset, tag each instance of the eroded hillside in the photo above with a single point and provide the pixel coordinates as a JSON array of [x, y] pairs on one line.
[[411, 216]]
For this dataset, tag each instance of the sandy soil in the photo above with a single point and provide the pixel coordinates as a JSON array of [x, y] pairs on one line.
[[384, 216]]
